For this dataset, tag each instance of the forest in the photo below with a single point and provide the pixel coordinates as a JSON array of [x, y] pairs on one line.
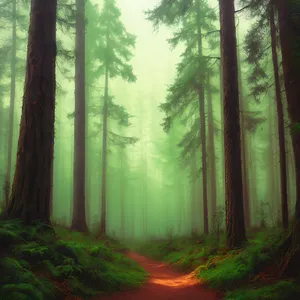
[[180, 126]]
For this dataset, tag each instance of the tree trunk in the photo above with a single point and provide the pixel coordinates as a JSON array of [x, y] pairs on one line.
[[79, 217], [244, 148], [212, 155], [12, 102], [235, 225], [289, 38], [31, 189], [271, 169], [280, 124], [122, 196], [202, 123], [103, 231], [193, 192], [253, 181], [222, 161], [51, 191]]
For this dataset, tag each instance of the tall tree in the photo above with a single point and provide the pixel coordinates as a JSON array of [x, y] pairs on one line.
[[30, 197], [115, 52], [290, 47], [79, 217], [12, 100], [211, 151], [188, 91], [244, 146], [235, 224], [280, 122], [257, 41]]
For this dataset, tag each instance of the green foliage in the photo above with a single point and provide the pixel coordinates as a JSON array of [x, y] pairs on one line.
[[283, 290], [186, 254], [33, 258], [195, 23], [229, 270], [226, 270]]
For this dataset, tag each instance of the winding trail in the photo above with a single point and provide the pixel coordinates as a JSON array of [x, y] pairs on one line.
[[165, 284]]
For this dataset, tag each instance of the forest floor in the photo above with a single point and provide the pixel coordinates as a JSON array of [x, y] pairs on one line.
[[250, 273], [164, 283]]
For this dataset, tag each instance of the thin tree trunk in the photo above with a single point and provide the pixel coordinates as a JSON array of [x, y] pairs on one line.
[[193, 192], [280, 124], [31, 187], [271, 168], [103, 228], [12, 102], [212, 155], [253, 180], [79, 217], [244, 148], [122, 197], [235, 224], [202, 123], [222, 132]]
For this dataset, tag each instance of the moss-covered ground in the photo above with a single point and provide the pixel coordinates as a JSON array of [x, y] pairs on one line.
[[251, 273], [37, 263]]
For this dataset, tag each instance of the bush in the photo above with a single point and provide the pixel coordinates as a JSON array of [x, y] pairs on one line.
[[34, 260]]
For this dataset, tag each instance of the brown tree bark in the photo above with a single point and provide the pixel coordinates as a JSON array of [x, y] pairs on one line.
[[212, 155], [280, 124], [31, 187], [290, 47], [202, 124], [12, 102], [235, 224], [79, 209]]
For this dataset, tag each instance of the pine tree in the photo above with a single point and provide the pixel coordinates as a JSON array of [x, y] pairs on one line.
[[79, 218], [114, 53], [261, 36], [188, 91], [12, 13]]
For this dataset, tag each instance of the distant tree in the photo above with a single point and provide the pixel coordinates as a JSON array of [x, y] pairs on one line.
[[79, 217], [188, 91], [211, 151], [261, 37], [31, 188], [114, 51], [12, 14]]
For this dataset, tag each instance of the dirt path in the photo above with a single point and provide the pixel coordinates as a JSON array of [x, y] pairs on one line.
[[164, 284]]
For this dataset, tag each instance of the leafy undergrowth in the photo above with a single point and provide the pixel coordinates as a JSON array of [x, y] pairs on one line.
[[247, 274], [36, 264]]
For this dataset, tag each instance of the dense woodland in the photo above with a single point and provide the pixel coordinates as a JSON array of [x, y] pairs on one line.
[[217, 152]]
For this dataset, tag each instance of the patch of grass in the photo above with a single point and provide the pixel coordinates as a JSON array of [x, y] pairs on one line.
[[282, 290], [226, 270], [36, 264], [186, 254]]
